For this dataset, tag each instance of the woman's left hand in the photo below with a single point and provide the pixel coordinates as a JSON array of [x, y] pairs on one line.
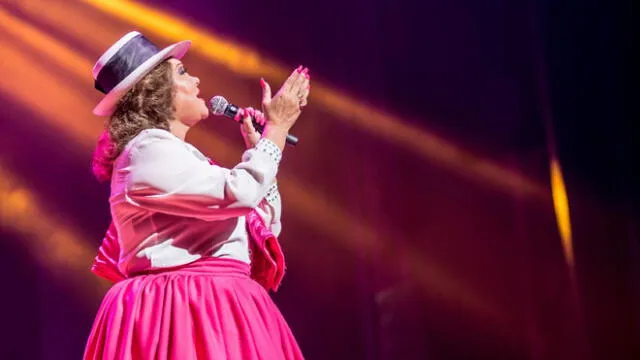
[[249, 133]]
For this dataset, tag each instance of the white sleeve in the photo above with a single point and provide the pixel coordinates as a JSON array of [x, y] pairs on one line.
[[271, 210], [164, 176]]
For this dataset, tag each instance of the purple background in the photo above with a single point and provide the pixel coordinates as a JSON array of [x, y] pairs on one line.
[[496, 77]]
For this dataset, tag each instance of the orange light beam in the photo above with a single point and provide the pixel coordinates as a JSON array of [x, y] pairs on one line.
[[31, 86], [93, 29], [54, 49], [561, 206], [241, 60]]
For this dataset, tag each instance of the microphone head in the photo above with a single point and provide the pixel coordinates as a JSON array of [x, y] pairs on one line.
[[218, 105]]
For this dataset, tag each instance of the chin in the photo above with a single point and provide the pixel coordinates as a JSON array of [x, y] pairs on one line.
[[204, 113], [196, 116]]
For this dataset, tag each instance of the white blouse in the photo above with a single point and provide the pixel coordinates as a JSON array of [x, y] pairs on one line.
[[171, 206]]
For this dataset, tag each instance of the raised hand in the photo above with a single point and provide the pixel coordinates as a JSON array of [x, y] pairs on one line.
[[284, 108]]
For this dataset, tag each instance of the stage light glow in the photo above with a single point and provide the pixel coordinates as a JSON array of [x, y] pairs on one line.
[[31, 85], [56, 246], [561, 206]]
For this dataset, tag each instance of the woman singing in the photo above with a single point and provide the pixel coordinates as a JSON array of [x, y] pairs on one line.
[[193, 246]]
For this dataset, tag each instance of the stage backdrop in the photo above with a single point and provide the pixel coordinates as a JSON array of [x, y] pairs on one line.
[[419, 217]]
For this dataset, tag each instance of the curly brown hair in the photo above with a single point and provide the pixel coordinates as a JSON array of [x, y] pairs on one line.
[[149, 104]]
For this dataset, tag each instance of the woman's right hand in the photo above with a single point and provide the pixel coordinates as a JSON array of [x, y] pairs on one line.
[[283, 109]]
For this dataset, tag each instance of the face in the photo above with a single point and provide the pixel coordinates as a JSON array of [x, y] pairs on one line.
[[190, 108]]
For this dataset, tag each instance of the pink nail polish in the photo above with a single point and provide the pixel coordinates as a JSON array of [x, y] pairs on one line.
[[262, 82]]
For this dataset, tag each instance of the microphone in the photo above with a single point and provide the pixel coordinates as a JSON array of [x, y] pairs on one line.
[[221, 107]]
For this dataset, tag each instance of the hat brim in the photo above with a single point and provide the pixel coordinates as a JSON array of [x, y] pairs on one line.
[[108, 104]]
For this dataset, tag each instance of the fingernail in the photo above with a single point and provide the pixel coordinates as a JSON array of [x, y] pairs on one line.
[[299, 69], [262, 82]]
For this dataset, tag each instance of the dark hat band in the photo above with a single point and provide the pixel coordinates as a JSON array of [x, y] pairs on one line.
[[128, 58]]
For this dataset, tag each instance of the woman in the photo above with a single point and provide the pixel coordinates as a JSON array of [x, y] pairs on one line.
[[187, 285]]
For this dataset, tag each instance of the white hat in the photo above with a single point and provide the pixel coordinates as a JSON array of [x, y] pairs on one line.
[[125, 63]]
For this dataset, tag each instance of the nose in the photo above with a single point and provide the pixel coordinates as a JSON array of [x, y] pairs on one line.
[[197, 80]]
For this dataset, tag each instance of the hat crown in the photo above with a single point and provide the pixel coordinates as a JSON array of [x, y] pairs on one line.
[[121, 59]]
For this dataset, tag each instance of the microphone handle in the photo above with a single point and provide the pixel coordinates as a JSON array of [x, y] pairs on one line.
[[232, 110]]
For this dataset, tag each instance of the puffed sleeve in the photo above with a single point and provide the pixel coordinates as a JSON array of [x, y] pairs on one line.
[[163, 175]]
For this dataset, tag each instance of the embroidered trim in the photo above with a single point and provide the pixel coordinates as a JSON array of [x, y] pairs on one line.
[[273, 194], [270, 148]]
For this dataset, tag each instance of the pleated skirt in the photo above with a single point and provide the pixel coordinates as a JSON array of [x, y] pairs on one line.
[[209, 309]]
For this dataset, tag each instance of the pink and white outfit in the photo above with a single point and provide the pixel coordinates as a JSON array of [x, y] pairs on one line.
[[193, 251]]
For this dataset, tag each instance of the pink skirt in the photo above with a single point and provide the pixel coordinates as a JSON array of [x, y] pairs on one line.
[[210, 309]]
